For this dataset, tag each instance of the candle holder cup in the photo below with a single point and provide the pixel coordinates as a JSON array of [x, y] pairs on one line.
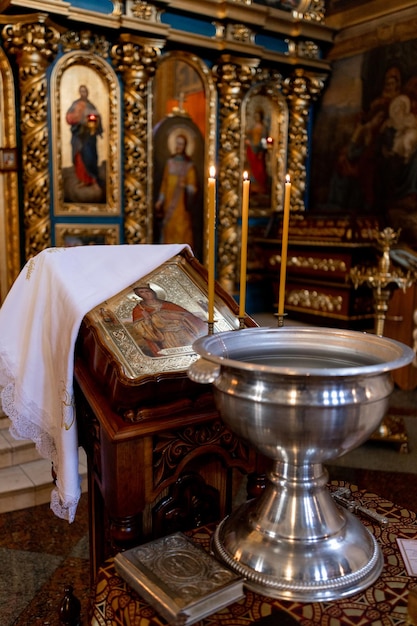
[[302, 397]]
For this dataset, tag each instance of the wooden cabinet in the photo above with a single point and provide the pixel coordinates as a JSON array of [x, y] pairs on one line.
[[174, 470], [400, 325], [318, 288], [321, 253]]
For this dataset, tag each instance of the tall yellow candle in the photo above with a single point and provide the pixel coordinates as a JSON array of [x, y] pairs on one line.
[[244, 244], [284, 247], [211, 242]]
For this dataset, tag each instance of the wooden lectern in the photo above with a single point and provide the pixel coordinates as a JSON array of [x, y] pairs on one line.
[[160, 458]]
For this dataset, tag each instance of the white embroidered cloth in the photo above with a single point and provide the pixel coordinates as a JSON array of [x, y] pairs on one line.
[[39, 323]]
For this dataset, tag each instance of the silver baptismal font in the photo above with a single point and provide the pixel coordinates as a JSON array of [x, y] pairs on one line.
[[302, 396]]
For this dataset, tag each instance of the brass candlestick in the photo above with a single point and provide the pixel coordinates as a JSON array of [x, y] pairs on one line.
[[383, 280]]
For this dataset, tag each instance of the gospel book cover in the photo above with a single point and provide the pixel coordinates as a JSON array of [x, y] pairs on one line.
[[179, 579]]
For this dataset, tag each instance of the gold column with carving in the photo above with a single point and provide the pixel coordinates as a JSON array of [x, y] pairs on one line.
[[9, 213], [300, 90], [136, 59], [234, 78], [34, 43]]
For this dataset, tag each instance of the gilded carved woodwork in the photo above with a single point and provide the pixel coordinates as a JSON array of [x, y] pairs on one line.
[[34, 45], [144, 10], [310, 10], [315, 12], [85, 40], [136, 60], [314, 300], [306, 49], [240, 33], [300, 90], [234, 78], [9, 208], [311, 263]]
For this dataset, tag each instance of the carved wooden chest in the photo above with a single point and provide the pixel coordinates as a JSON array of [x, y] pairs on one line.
[[321, 253]]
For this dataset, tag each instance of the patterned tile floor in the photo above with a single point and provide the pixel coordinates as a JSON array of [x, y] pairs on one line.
[[41, 554]]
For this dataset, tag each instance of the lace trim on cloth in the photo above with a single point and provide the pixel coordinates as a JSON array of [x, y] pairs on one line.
[[65, 511], [39, 324]]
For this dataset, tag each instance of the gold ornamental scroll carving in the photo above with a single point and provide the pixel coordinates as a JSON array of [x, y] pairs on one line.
[[311, 263], [315, 11], [300, 90], [135, 59], [315, 301], [234, 78], [9, 204], [34, 43]]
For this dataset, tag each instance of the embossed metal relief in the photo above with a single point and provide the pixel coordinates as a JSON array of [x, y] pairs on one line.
[[152, 325], [85, 114]]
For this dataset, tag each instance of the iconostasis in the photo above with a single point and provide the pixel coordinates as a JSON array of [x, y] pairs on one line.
[[113, 114]]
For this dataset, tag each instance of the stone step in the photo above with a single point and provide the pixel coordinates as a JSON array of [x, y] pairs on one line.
[[14, 451], [25, 477]]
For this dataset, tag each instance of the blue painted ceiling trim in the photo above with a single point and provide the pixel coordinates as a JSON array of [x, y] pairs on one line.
[[101, 6], [188, 24], [273, 43]]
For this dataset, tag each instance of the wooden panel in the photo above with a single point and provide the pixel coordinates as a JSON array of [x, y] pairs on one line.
[[400, 325]]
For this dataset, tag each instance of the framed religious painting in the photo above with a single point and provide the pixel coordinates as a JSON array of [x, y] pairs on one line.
[[183, 150], [364, 149], [264, 148], [86, 141], [70, 235]]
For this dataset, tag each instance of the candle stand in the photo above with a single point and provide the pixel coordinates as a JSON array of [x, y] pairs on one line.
[[383, 280]]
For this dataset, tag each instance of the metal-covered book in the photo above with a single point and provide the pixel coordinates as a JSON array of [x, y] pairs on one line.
[[179, 579]]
